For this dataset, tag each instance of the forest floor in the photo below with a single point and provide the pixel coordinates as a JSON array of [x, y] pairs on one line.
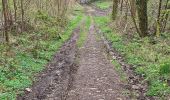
[[84, 73]]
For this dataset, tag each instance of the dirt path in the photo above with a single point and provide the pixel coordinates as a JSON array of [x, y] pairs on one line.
[[91, 76], [96, 78]]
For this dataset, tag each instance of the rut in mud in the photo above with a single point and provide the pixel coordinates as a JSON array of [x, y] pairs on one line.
[[55, 80]]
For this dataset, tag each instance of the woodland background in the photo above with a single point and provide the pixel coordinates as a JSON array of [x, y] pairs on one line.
[[32, 30]]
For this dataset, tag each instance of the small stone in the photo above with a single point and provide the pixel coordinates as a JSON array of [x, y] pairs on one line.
[[98, 91], [119, 99], [58, 73], [93, 88], [110, 89], [28, 90], [114, 57], [135, 87]]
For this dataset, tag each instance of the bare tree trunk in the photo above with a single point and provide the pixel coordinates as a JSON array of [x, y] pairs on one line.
[[15, 10], [5, 13], [166, 17], [133, 14], [22, 16], [115, 7], [121, 6], [143, 17], [133, 7], [158, 19]]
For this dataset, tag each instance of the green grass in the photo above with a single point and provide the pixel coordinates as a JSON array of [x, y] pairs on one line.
[[119, 70], [150, 56], [84, 31], [19, 65], [103, 4]]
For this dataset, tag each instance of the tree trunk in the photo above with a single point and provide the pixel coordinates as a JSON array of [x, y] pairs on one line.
[[166, 15], [133, 7], [158, 26], [15, 10], [22, 16], [5, 13], [114, 11], [143, 17]]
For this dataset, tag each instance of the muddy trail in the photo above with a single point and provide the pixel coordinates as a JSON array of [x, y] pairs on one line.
[[96, 78], [55, 80], [84, 73]]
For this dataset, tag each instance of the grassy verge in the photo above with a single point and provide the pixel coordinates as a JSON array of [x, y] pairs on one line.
[[28, 55], [103, 4], [150, 56], [84, 31], [119, 70]]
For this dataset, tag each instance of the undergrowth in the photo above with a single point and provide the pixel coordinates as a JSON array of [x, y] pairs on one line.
[[103, 4], [150, 56], [119, 70], [30, 52]]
